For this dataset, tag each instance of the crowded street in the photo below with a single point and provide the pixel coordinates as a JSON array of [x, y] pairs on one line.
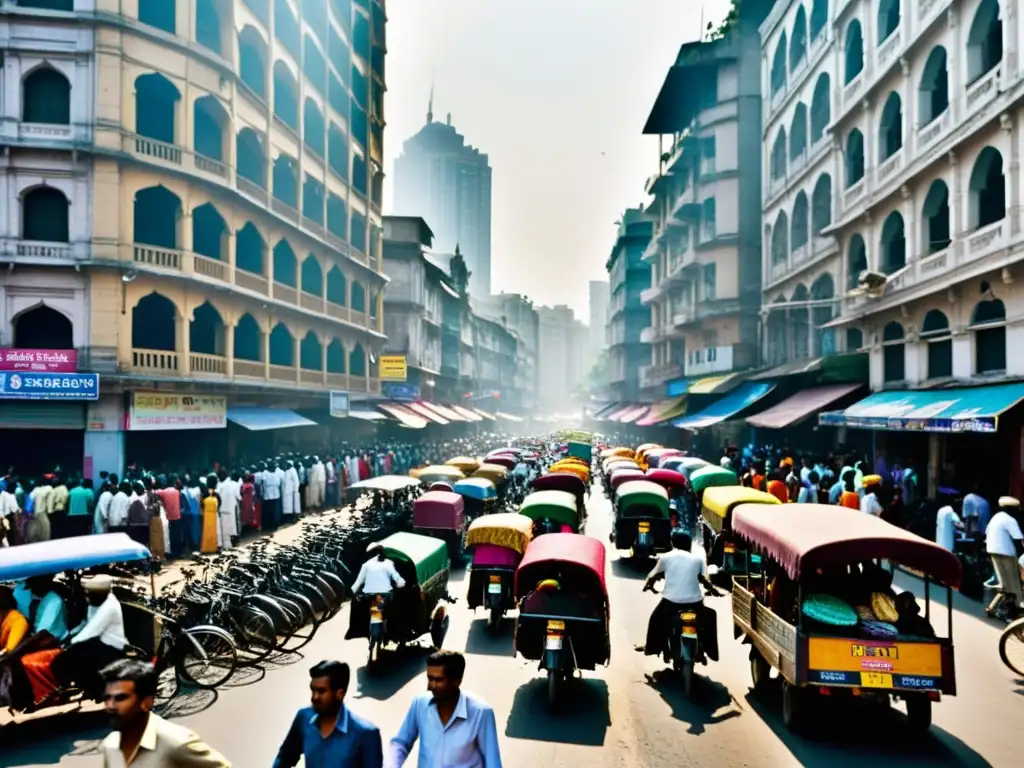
[[614, 717]]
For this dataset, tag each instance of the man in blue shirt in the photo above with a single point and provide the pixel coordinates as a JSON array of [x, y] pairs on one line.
[[455, 729], [327, 734]]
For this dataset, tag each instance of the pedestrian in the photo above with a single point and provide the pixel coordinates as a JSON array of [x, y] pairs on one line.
[[327, 733], [142, 739], [454, 727], [1005, 543]]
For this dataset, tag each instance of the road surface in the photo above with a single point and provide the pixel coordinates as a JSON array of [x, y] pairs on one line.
[[617, 717]]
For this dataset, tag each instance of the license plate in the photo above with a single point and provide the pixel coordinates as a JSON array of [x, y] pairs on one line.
[[494, 589], [755, 558], [496, 579], [875, 680], [643, 527], [729, 549], [553, 643], [556, 625]]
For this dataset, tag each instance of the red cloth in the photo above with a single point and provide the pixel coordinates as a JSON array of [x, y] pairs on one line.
[[171, 499], [38, 670], [364, 469], [778, 489], [248, 505]]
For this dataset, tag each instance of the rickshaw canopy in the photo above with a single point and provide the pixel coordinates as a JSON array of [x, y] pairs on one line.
[[465, 464], [502, 529], [551, 505], [50, 557], [439, 509], [479, 488], [648, 447], [620, 476], [493, 472], [502, 452], [635, 493], [561, 481], [575, 469], [658, 455], [804, 537], [441, 487], [620, 451], [505, 460], [712, 476], [428, 555], [437, 472], [583, 450], [718, 503], [689, 463], [618, 463], [581, 558], [386, 483], [668, 479]]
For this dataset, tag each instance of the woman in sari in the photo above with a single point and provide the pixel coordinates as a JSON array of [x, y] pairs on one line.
[[13, 624], [247, 502], [210, 506]]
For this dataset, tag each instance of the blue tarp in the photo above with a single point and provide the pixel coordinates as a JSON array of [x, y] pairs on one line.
[[744, 397], [59, 555], [974, 409], [476, 488], [260, 419]]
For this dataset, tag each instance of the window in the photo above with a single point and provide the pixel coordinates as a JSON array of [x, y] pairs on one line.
[[780, 240], [819, 18], [314, 66], [46, 97], [854, 158], [988, 189], [313, 127], [933, 93], [821, 107], [857, 261], [888, 19], [708, 220], [854, 339], [778, 74], [985, 41], [44, 215], [801, 216], [798, 133], [936, 217], [710, 278], [798, 48], [854, 52], [936, 335], [894, 244], [988, 324], [337, 151], [313, 200], [890, 128], [778, 159], [893, 353], [286, 28], [821, 204]]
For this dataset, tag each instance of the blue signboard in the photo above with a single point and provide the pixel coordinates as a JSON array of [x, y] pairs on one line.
[[400, 391], [49, 386]]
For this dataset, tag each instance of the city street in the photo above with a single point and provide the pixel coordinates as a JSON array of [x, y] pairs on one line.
[[614, 718]]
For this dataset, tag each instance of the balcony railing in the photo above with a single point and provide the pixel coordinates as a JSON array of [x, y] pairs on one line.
[[41, 251], [655, 375]]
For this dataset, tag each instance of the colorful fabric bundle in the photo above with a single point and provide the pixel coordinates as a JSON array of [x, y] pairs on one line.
[[884, 607], [880, 630], [826, 609]]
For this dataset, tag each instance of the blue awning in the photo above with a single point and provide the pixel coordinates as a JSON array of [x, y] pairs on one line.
[[744, 397], [973, 409], [48, 557], [261, 419]]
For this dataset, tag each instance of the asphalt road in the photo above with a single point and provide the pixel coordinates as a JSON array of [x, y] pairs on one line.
[[617, 717]]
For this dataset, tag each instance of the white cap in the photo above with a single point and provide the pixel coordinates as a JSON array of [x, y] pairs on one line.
[[98, 583]]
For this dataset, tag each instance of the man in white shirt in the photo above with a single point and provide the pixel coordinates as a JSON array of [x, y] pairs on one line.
[[230, 490], [685, 574], [117, 514], [290, 492], [101, 517], [1005, 543], [869, 503], [316, 487], [377, 575], [946, 523], [96, 642], [272, 482]]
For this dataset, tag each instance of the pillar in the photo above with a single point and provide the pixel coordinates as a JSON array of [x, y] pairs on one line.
[[934, 464], [229, 349], [1013, 206], [184, 344], [266, 349], [104, 449]]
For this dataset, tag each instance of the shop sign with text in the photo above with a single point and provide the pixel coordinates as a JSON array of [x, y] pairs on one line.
[[36, 386], [393, 368], [39, 360], [151, 411]]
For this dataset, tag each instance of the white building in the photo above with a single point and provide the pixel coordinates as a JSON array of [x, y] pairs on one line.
[[600, 298], [924, 126]]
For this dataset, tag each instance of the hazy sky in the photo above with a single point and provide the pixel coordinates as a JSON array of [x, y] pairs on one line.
[[557, 93]]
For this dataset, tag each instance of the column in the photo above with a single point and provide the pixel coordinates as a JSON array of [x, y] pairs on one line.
[[324, 341], [184, 344], [1013, 206], [229, 348], [957, 209], [266, 349], [104, 447]]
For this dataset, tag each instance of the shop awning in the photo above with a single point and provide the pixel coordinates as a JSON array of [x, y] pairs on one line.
[[618, 413], [508, 417], [427, 413], [711, 385], [406, 417], [261, 419], [467, 414], [444, 412], [634, 414], [485, 414], [728, 406], [800, 406], [367, 415], [672, 408], [964, 409], [604, 410]]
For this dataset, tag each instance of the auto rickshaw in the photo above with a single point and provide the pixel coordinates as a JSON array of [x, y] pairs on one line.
[[508, 461], [822, 611], [642, 519], [441, 487], [711, 477], [465, 464], [685, 464], [641, 454], [479, 495], [675, 485], [437, 473], [621, 475], [422, 561], [493, 472], [563, 607], [497, 542], [568, 482], [581, 450], [441, 514], [724, 549], [551, 512], [656, 455], [627, 453], [576, 469]]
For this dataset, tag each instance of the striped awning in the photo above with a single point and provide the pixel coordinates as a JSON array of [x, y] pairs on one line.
[[664, 410], [405, 417], [427, 413], [467, 414]]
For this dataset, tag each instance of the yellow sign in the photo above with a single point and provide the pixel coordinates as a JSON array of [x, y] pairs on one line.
[[903, 658], [151, 411], [875, 680], [393, 368]]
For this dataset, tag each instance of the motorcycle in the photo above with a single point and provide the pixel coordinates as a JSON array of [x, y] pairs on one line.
[[684, 646]]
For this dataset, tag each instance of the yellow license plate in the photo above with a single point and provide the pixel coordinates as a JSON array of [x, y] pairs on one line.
[[494, 579], [729, 549], [875, 680], [687, 617], [556, 625], [643, 527]]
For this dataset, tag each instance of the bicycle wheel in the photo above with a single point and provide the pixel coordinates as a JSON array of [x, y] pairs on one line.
[[1011, 646], [254, 634], [207, 657], [280, 618]]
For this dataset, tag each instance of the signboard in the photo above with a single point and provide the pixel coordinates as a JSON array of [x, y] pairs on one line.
[[339, 404], [39, 360], [36, 386], [152, 411], [393, 368], [400, 391], [875, 664]]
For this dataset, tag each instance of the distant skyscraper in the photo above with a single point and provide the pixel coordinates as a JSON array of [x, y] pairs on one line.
[[448, 182], [600, 296]]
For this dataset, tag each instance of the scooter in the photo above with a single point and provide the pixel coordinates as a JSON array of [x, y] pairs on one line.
[[684, 647]]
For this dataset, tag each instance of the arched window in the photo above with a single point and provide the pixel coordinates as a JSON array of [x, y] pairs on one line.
[[798, 46], [157, 217], [936, 335], [780, 240], [313, 129], [988, 325], [894, 243], [819, 18], [285, 264], [854, 339], [856, 261], [821, 204], [286, 180], [888, 19], [206, 331], [312, 277], [801, 222], [854, 157], [778, 160], [933, 93], [824, 289], [250, 250], [935, 215], [798, 132], [252, 162], [209, 232], [252, 60], [890, 127], [894, 363], [799, 323], [311, 353], [821, 107], [357, 361], [44, 215], [778, 75], [209, 26], [158, 13], [210, 126], [286, 95], [43, 327], [988, 189], [153, 323], [985, 41], [282, 346], [778, 334], [248, 340], [854, 52], [46, 97], [156, 104]]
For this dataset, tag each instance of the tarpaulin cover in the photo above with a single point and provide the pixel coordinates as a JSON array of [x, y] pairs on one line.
[[404, 415], [427, 413], [50, 557], [261, 419], [551, 550], [672, 408], [503, 529], [439, 509], [731, 404], [800, 406]]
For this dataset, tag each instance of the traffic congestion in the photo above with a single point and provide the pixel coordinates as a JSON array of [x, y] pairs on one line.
[[563, 598]]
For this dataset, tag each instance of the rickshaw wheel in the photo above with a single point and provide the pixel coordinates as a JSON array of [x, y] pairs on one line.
[[494, 620], [1011, 647], [760, 671], [919, 713], [554, 687], [793, 699]]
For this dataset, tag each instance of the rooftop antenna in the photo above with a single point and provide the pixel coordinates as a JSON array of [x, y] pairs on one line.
[[430, 103]]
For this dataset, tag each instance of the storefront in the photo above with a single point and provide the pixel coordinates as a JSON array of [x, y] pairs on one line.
[[172, 430]]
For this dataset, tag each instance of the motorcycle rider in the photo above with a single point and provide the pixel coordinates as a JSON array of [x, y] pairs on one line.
[[377, 575], [684, 573]]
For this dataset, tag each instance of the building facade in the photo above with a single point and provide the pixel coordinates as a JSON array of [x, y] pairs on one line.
[[195, 194], [600, 298], [496, 350], [448, 182], [628, 317], [517, 313], [704, 253], [561, 360]]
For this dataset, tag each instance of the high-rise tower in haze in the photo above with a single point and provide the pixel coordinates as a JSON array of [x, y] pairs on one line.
[[448, 182]]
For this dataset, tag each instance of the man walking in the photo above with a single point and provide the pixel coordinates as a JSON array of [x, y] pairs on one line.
[[454, 728], [327, 734]]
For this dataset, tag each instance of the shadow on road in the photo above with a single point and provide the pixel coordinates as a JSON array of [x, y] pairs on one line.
[[627, 568], [244, 676], [46, 740], [835, 735], [481, 641], [708, 697], [191, 701], [396, 668], [582, 719]]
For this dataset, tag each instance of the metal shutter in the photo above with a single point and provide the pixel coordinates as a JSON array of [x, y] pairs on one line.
[[41, 414]]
